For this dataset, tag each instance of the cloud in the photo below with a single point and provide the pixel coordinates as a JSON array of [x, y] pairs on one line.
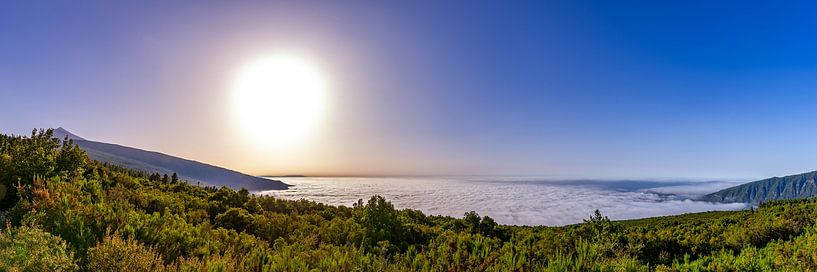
[[516, 201]]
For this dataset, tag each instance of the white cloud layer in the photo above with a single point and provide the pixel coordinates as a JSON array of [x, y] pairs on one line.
[[516, 201]]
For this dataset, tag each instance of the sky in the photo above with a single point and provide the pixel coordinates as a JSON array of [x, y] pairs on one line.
[[562, 89]]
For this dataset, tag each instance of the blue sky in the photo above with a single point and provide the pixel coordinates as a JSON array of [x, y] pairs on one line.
[[567, 89]]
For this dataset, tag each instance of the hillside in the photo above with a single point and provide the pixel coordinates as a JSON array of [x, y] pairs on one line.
[[155, 162], [788, 187], [76, 214]]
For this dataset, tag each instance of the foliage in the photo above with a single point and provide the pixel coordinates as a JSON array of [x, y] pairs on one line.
[[72, 213], [31, 249], [116, 254]]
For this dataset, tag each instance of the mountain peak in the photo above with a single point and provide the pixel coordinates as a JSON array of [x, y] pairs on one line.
[[60, 133]]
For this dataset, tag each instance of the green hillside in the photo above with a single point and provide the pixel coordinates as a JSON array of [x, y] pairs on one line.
[[788, 187], [64, 212]]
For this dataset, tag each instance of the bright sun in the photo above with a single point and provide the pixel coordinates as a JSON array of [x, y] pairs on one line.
[[279, 99]]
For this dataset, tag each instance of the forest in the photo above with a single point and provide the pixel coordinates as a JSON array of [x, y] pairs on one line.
[[61, 211]]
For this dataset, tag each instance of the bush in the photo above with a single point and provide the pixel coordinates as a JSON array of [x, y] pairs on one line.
[[117, 254], [31, 249]]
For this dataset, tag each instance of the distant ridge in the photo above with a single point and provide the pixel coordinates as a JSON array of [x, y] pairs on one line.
[[155, 162], [788, 187], [61, 133]]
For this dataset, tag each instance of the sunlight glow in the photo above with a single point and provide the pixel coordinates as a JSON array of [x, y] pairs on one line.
[[279, 99]]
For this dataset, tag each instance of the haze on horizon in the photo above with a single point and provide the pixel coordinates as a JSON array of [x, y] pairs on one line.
[[562, 89]]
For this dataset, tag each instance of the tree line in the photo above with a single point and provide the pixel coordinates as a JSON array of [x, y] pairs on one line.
[[61, 211]]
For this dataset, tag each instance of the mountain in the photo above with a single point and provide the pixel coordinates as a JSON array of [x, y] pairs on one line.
[[155, 162], [788, 187], [61, 133]]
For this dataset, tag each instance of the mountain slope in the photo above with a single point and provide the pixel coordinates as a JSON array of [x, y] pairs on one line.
[[61, 133], [788, 187], [155, 162]]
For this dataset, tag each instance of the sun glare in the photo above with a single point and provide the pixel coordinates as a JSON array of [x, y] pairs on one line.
[[279, 99]]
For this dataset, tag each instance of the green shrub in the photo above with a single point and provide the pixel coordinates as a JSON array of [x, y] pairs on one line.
[[117, 254], [31, 249]]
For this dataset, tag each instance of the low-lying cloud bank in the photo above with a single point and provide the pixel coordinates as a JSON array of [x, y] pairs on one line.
[[517, 201]]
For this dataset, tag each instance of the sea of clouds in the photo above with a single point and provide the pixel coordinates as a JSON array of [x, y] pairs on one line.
[[516, 201]]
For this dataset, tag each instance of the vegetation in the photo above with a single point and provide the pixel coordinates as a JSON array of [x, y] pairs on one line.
[[788, 187], [64, 212]]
